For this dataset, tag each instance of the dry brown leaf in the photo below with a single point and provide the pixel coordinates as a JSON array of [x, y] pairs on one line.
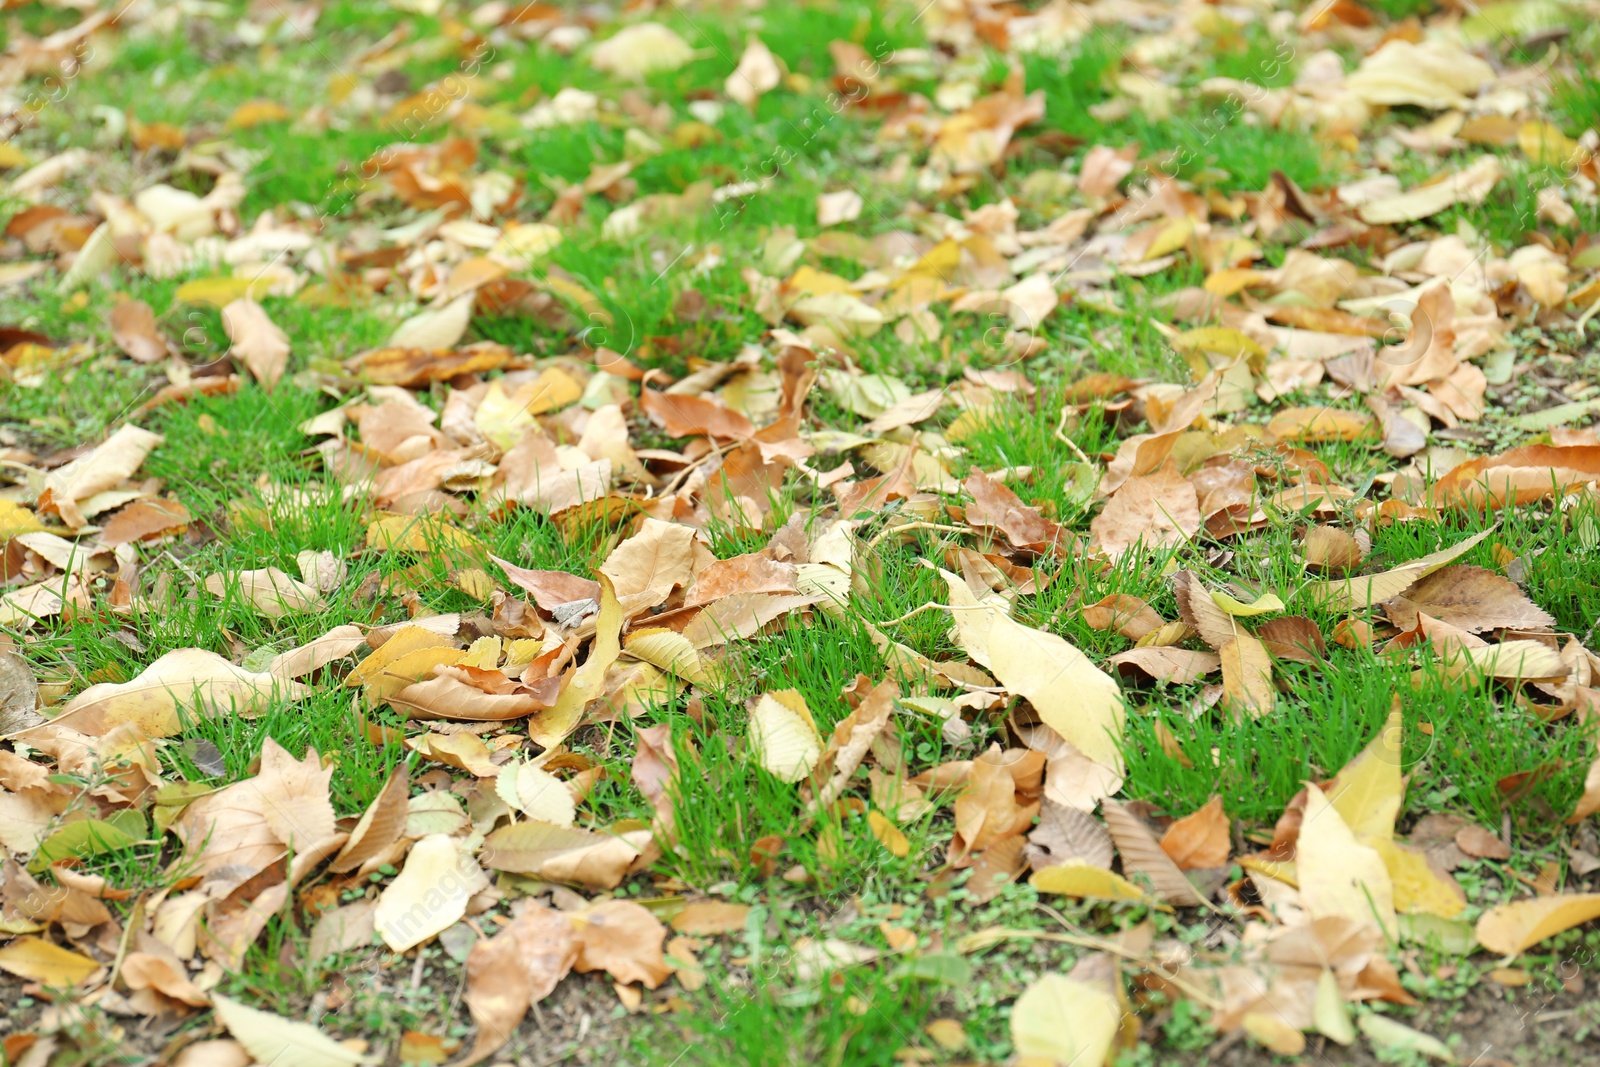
[[133, 327], [1247, 676], [1181, 666], [1066, 834], [708, 917], [256, 341], [1128, 615], [1156, 510], [646, 567], [1293, 637], [995, 507], [1472, 598], [623, 939], [1202, 614], [515, 969], [1199, 840], [1327, 548], [1141, 854]]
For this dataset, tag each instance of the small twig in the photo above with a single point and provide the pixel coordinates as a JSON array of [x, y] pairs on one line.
[[908, 527], [1061, 435]]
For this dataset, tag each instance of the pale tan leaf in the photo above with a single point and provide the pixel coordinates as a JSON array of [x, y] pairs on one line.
[[1156, 511], [273, 1039], [560, 854], [380, 826], [256, 341], [1247, 676], [103, 467], [1348, 594], [784, 735], [133, 328], [640, 49], [536, 793], [191, 679], [437, 327], [1197, 608], [430, 893]]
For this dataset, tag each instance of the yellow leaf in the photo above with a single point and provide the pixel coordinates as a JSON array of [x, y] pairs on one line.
[[49, 964], [1510, 928], [1545, 145], [220, 292], [16, 520], [405, 640], [1262, 605], [1338, 875], [1417, 886], [1269, 1029], [888, 835], [1062, 1020], [429, 894], [1073, 697], [257, 113], [1367, 792], [547, 728], [1320, 424], [420, 534], [1086, 881], [536, 793], [1330, 1014], [672, 652], [1219, 339], [785, 738]]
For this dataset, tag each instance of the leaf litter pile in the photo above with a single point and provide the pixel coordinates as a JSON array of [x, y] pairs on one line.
[[1043, 555]]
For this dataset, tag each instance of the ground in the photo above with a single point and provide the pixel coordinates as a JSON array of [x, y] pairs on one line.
[[804, 417]]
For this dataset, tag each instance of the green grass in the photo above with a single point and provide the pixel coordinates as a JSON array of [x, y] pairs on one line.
[[259, 495]]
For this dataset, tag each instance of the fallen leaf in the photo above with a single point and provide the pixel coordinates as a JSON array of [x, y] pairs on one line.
[[515, 969], [1156, 511], [640, 49], [38, 960], [1337, 874], [133, 328], [187, 681], [256, 341], [429, 894], [1388, 1034], [1510, 928], [1367, 590], [1141, 854], [273, 1039], [1247, 676], [1200, 839], [1473, 598], [784, 735], [1085, 882], [1060, 1020]]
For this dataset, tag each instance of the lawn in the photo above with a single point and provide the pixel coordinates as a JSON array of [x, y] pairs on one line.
[[828, 532]]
